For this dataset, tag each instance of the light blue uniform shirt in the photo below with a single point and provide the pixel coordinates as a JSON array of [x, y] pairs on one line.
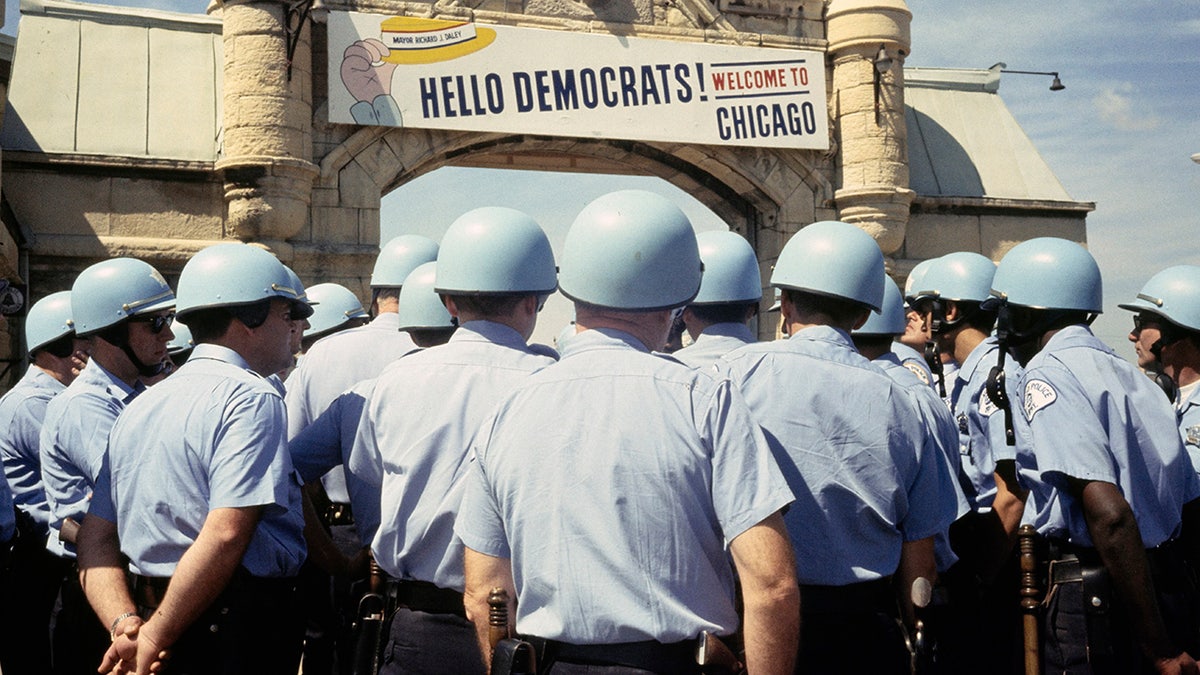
[[334, 364], [328, 443], [714, 342], [74, 436], [850, 442], [22, 410], [914, 361], [942, 433], [417, 428], [1094, 416], [212, 435], [614, 480], [1188, 411], [980, 422]]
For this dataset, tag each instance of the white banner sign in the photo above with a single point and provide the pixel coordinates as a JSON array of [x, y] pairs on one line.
[[437, 74]]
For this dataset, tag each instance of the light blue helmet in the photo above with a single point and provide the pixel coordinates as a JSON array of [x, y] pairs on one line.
[[297, 284], [730, 269], [182, 341], [833, 259], [962, 277], [914, 280], [420, 306], [1173, 294], [891, 319], [227, 275], [48, 320], [113, 290], [495, 250], [1049, 273], [399, 257], [334, 306], [631, 250]]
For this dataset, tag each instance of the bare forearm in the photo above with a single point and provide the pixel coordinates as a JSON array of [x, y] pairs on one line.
[[771, 596], [203, 572], [481, 574], [1119, 544], [102, 570], [772, 630]]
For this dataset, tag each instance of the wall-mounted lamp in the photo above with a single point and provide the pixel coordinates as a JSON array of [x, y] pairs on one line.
[[1055, 85], [883, 63]]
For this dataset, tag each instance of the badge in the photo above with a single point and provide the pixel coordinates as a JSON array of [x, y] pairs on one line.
[[1038, 395], [986, 406], [918, 371], [1193, 435], [962, 424]]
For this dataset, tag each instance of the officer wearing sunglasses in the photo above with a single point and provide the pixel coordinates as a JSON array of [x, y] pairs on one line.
[[123, 308]]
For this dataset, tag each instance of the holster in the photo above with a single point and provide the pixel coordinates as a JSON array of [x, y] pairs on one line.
[[368, 634], [513, 656], [715, 657]]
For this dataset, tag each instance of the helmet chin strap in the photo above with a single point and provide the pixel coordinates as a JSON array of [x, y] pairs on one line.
[[1168, 335], [120, 338]]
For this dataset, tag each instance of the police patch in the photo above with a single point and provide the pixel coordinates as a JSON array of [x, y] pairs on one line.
[[1038, 395], [918, 371], [1193, 435], [986, 406]]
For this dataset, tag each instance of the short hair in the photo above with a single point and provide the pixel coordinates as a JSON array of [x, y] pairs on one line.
[[979, 319], [725, 312], [61, 348], [211, 323], [841, 311], [490, 306], [385, 293]]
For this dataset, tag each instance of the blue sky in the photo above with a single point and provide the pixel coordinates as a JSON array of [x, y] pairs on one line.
[[1120, 135]]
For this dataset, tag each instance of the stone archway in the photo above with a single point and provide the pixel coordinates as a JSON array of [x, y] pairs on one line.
[[764, 195]]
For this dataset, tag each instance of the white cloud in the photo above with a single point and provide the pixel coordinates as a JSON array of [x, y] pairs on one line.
[[1117, 106]]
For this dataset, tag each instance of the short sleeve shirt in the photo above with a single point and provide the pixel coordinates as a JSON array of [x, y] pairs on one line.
[[714, 342], [614, 480], [849, 441], [22, 411], [1095, 417], [212, 435]]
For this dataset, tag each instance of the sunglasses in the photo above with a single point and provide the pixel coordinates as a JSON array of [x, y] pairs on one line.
[[1140, 321], [157, 323]]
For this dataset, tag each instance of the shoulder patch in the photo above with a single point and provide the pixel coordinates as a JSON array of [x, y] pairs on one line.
[[1038, 395], [1192, 434], [986, 407], [917, 370]]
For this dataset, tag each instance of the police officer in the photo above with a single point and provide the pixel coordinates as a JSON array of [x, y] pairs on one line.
[[607, 490], [982, 587], [1108, 474], [869, 492], [911, 345], [34, 574], [874, 341], [1166, 338], [124, 308], [730, 288], [335, 308], [201, 490], [329, 440], [494, 270]]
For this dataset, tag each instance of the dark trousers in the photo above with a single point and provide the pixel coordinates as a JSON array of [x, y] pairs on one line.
[[976, 620], [80, 640], [255, 627], [1085, 630], [29, 587], [423, 643], [851, 629]]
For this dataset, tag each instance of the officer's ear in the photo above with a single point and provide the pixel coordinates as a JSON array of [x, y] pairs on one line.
[[952, 311]]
